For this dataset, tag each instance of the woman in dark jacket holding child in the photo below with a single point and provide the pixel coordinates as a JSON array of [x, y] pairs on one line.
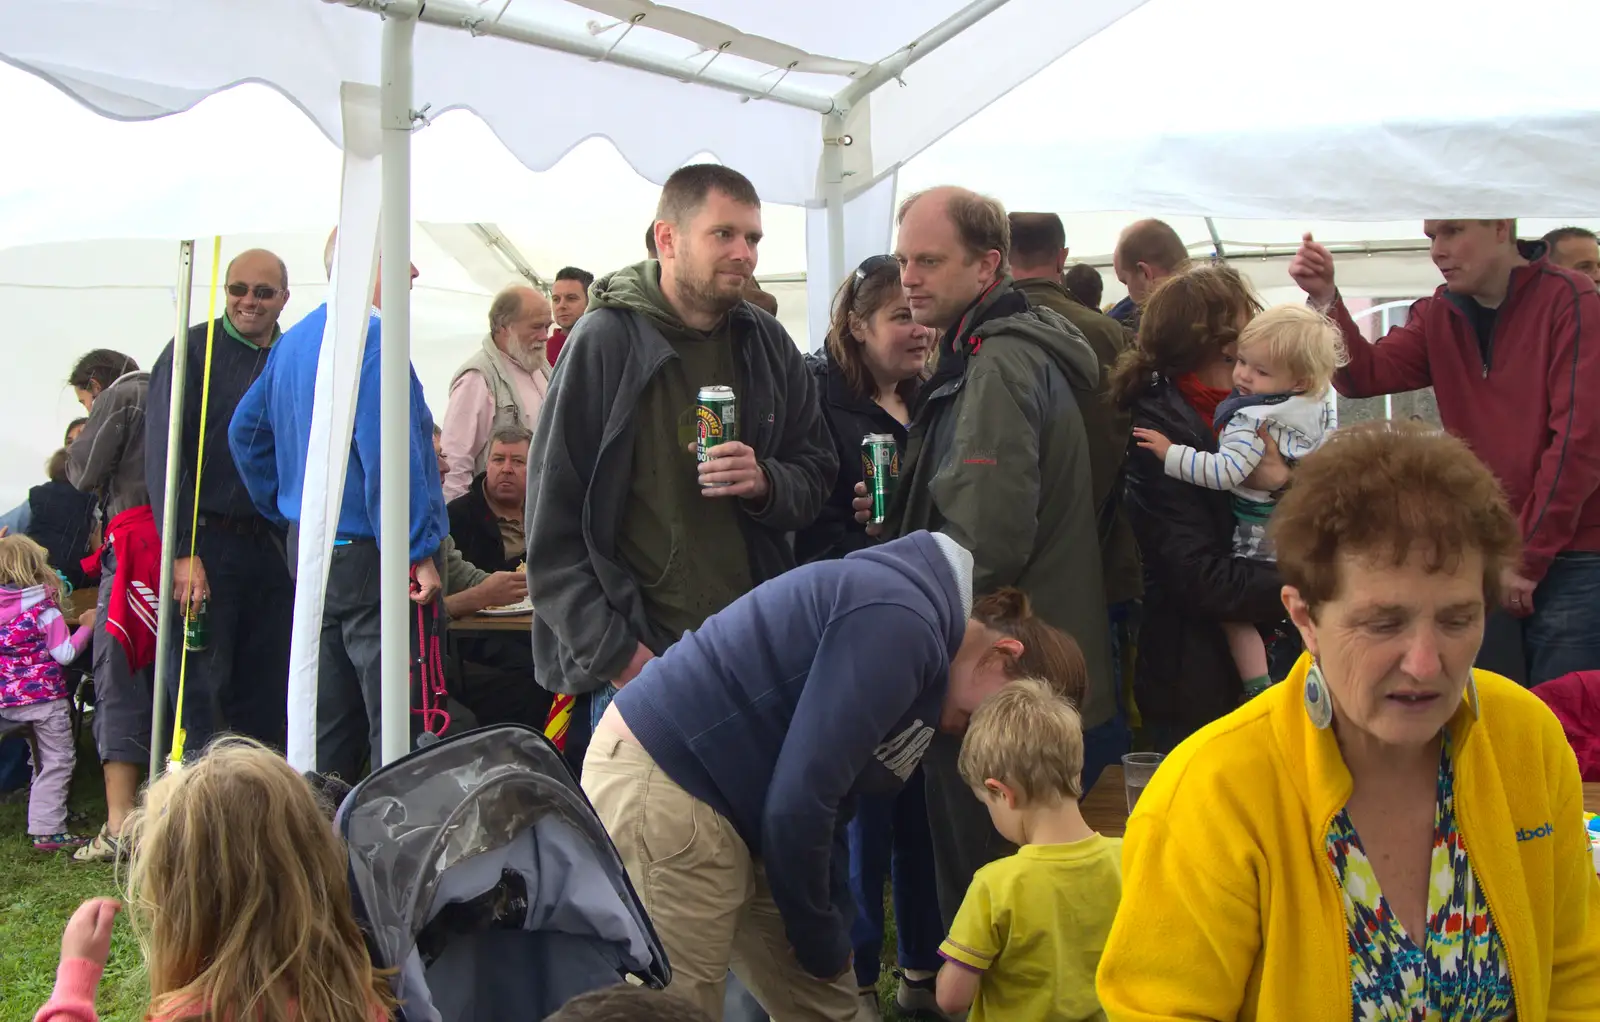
[[867, 380], [1172, 381]]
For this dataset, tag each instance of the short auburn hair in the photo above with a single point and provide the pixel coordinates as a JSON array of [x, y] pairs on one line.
[[1188, 319], [1048, 654], [1384, 490], [1030, 739], [981, 222]]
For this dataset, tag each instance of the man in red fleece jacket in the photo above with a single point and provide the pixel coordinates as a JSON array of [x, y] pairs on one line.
[[1511, 345]]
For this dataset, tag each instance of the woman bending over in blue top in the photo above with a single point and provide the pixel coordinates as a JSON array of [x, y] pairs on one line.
[[726, 771]]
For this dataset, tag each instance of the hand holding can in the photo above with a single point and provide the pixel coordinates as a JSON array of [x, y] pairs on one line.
[[716, 422], [880, 472]]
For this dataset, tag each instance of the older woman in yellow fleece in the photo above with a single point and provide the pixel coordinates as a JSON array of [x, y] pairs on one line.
[[1388, 835]]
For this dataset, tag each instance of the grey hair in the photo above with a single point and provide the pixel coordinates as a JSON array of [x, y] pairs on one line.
[[517, 435], [505, 308]]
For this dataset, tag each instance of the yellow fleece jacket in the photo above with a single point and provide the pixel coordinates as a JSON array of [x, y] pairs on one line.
[[1230, 907]]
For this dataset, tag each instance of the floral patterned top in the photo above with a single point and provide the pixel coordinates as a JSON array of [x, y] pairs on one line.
[[1459, 974]]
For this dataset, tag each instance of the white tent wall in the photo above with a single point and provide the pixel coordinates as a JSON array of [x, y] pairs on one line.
[[59, 301]]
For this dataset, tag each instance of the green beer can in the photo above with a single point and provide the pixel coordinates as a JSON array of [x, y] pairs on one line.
[[880, 469], [197, 628], [716, 421]]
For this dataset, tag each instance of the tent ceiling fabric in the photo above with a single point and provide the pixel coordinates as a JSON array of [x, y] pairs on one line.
[[136, 59], [1367, 111]]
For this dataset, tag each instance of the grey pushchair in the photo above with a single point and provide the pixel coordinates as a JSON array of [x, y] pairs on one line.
[[480, 872]]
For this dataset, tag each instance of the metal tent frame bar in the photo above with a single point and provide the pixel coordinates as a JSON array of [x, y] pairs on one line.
[[475, 21], [1241, 250]]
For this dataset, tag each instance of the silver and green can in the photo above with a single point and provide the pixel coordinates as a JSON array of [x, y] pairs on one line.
[[716, 421], [880, 470], [197, 628]]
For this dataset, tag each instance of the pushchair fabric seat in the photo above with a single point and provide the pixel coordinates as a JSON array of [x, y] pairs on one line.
[[480, 871]]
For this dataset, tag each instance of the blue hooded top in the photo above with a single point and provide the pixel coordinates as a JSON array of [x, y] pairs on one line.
[[820, 684]]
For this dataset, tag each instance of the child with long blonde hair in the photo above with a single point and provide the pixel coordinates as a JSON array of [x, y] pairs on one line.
[[238, 890], [35, 644]]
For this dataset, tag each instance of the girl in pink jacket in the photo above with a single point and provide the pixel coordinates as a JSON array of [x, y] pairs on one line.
[[35, 643]]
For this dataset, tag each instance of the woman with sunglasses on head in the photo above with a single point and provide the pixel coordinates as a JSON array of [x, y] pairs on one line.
[[867, 374], [228, 560], [867, 379]]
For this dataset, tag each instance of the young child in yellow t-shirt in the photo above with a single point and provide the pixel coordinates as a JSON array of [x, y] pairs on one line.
[[1028, 937]]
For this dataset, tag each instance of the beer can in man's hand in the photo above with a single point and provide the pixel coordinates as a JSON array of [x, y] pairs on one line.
[[880, 469], [716, 422], [197, 627]]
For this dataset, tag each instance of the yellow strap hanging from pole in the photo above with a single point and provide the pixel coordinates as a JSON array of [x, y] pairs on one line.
[[178, 735]]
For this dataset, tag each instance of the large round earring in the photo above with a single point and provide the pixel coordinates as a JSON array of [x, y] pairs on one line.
[[1319, 704]]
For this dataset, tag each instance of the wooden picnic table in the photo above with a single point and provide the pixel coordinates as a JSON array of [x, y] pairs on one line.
[[477, 624], [78, 601], [1106, 808]]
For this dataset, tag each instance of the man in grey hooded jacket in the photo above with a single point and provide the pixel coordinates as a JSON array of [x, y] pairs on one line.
[[630, 542]]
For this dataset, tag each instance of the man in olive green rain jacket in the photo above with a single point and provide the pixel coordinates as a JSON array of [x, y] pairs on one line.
[[999, 460]]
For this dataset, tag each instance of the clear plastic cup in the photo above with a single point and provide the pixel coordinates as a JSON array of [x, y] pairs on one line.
[[1137, 769]]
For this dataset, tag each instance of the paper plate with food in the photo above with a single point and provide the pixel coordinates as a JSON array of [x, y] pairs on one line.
[[523, 606]]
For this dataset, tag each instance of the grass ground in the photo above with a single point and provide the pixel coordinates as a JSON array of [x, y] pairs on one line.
[[39, 892]]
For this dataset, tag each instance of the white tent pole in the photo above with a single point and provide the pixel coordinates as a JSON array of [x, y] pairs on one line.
[[473, 19], [169, 507], [394, 527], [833, 142]]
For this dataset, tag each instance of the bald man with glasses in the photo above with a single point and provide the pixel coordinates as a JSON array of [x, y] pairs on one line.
[[237, 573]]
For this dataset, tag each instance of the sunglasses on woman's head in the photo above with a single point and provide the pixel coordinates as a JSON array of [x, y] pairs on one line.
[[876, 264], [263, 292]]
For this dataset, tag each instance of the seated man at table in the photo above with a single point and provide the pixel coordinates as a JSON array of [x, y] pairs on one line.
[[486, 521], [486, 525]]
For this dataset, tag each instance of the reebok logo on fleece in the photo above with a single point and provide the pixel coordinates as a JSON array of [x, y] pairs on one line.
[[902, 752]]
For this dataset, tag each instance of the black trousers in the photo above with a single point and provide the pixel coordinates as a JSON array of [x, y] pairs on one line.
[[964, 838], [497, 684], [240, 681]]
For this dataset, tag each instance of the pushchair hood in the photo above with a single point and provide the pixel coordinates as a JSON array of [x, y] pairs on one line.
[[479, 869]]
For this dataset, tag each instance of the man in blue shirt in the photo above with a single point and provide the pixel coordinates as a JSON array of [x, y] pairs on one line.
[[269, 436]]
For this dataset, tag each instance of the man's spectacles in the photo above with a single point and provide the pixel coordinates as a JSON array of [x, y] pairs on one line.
[[873, 265], [263, 292]]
